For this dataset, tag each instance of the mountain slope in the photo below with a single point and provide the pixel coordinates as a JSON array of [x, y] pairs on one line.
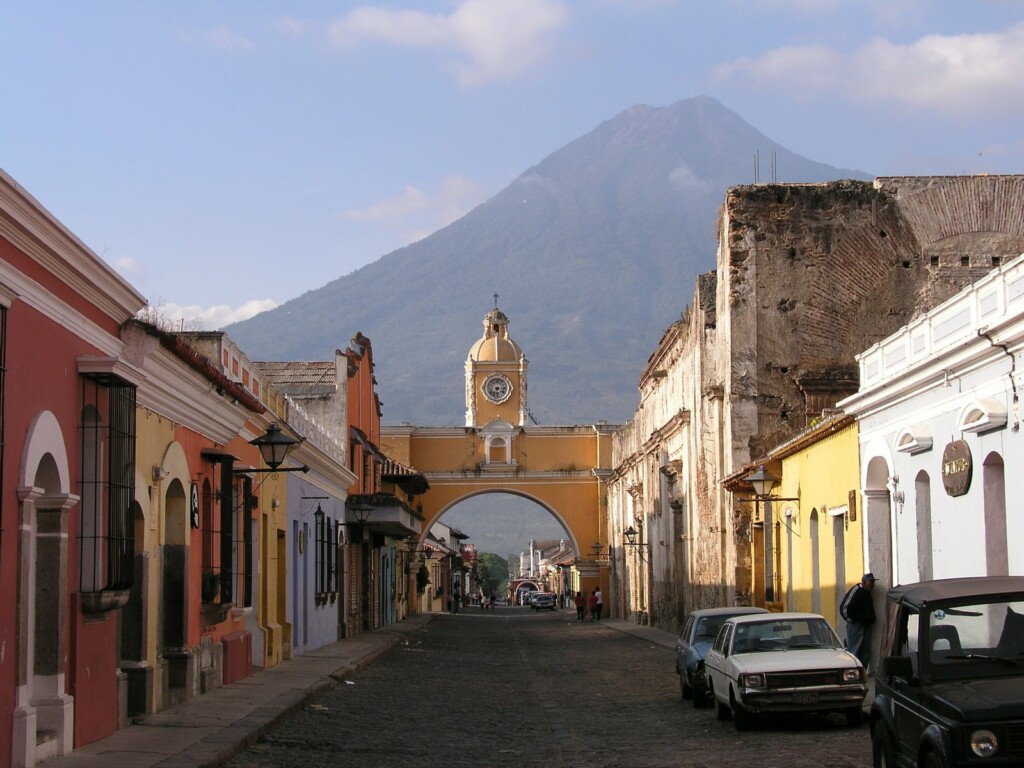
[[594, 252]]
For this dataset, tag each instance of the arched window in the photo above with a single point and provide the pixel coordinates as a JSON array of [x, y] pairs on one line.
[[923, 511], [815, 564], [997, 559]]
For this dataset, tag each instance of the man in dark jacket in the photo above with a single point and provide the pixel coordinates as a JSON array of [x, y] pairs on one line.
[[860, 616]]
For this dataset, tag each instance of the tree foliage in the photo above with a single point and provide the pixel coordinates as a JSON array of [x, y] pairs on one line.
[[492, 571]]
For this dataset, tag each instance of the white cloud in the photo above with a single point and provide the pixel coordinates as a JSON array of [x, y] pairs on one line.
[[422, 213], [683, 179], [954, 74], [226, 40], [130, 268], [889, 12], [798, 6], [291, 26], [495, 39], [195, 317]]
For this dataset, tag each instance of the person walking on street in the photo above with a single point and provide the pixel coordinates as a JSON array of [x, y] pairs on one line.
[[858, 610], [592, 602], [600, 603], [581, 606]]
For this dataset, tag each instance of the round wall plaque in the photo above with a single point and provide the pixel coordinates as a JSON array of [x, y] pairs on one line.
[[956, 468]]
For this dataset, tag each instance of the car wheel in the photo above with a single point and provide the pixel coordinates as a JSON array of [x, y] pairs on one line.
[[741, 716], [854, 717], [722, 711], [685, 690], [883, 748]]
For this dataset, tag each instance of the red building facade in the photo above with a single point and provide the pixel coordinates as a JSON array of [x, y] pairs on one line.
[[68, 410]]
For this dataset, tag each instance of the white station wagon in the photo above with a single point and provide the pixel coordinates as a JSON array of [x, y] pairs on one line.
[[782, 662]]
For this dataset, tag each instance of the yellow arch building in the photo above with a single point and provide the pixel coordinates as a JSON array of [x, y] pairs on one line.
[[561, 468]]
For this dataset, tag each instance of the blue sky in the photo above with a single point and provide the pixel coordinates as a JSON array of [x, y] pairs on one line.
[[228, 156]]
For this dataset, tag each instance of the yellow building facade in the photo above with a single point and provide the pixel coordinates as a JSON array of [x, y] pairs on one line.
[[806, 538]]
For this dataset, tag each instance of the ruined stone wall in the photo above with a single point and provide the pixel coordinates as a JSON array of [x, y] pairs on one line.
[[808, 276], [819, 272], [811, 275]]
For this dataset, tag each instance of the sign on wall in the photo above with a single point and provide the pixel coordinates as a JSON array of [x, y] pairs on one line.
[[193, 504], [956, 468]]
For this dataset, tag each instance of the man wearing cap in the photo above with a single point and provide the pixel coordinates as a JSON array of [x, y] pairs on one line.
[[860, 615]]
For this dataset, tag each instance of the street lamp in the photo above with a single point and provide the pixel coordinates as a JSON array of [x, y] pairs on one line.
[[763, 482], [361, 512], [634, 538], [274, 446]]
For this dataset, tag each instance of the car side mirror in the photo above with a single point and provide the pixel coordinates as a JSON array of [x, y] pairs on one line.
[[897, 666]]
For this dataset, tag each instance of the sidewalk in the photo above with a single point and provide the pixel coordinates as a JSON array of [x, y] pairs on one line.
[[651, 634], [211, 729]]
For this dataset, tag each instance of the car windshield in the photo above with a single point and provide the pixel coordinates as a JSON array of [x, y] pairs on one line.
[[784, 634], [977, 631], [707, 628]]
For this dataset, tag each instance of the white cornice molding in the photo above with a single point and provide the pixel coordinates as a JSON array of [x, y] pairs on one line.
[[974, 354], [39, 235], [25, 289], [177, 392]]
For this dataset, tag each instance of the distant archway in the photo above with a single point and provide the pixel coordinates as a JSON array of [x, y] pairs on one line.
[[479, 494], [558, 468]]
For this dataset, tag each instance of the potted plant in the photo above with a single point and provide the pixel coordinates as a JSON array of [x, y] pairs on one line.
[[210, 586], [422, 579]]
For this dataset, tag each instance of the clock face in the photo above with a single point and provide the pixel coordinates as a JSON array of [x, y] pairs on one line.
[[497, 389]]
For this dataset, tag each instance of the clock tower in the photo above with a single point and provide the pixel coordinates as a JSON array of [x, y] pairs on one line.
[[495, 376]]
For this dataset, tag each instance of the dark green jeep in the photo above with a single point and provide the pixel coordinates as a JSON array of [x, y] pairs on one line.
[[950, 687]]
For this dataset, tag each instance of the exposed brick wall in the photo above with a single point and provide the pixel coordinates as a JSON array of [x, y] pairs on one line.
[[819, 272]]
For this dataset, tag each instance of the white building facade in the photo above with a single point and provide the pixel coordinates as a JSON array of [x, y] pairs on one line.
[[938, 409]]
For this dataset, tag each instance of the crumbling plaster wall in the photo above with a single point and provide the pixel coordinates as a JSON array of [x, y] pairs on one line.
[[666, 467]]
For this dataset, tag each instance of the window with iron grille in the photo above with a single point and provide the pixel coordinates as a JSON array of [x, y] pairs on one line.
[[229, 538], [326, 554], [332, 550], [213, 579], [241, 542], [320, 550], [107, 534]]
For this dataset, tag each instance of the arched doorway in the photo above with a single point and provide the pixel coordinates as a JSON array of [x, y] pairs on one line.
[[174, 648], [134, 626], [44, 712], [997, 558], [878, 519], [878, 524]]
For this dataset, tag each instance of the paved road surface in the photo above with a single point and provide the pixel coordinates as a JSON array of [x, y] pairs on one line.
[[517, 688]]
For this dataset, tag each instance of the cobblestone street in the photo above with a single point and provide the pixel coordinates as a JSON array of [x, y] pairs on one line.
[[516, 688]]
